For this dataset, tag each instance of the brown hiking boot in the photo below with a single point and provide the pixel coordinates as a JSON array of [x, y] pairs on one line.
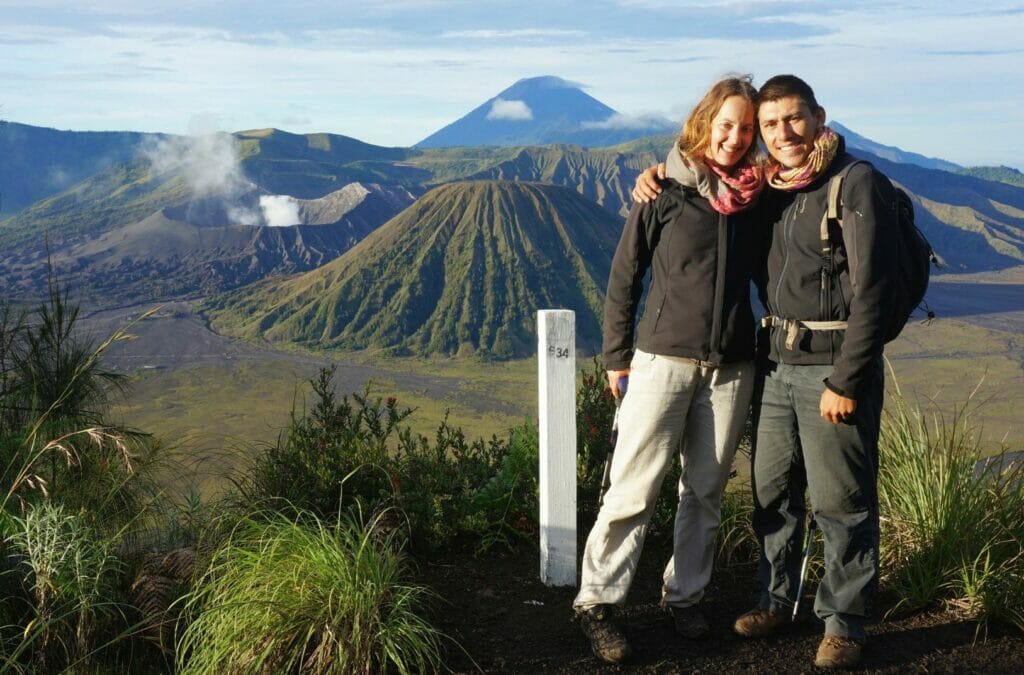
[[838, 652], [690, 621], [606, 640], [758, 622]]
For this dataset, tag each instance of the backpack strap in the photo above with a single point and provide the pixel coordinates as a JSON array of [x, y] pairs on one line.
[[834, 205], [833, 212]]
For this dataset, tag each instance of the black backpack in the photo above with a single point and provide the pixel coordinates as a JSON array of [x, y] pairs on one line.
[[915, 254]]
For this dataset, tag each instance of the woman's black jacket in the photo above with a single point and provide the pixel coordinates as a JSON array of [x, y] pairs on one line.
[[698, 306]]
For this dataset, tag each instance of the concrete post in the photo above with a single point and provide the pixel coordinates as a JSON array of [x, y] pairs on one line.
[[556, 364]]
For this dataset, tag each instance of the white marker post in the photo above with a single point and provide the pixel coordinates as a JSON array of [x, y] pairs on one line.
[[556, 365]]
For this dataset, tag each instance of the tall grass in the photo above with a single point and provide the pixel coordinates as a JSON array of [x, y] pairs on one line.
[[951, 533], [737, 543], [72, 572], [73, 489], [299, 595]]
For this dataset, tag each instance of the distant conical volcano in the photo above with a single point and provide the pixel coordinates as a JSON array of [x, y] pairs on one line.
[[461, 271], [543, 110]]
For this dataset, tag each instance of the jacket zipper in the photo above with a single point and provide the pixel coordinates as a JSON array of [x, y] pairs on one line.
[[717, 309], [787, 231]]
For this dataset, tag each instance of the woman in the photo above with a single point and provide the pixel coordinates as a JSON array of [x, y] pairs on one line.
[[691, 372]]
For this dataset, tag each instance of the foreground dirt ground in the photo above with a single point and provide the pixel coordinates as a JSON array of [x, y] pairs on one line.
[[495, 607]]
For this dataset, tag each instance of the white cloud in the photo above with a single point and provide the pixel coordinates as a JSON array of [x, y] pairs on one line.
[[509, 110], [901, 73], [621, 121], [527, 33], [280, 210]]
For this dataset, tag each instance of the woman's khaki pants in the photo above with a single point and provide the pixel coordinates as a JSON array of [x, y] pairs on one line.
[[669, 401]]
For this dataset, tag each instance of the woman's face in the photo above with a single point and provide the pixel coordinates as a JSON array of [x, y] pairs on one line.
[[732, 132]]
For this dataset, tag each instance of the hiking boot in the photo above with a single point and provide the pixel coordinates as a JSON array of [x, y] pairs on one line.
[[838, 652], [690, 621], [758, 622], [606, 640]]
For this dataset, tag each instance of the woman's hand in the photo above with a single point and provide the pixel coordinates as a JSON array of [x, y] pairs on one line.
[[613, 381], [648, 183]]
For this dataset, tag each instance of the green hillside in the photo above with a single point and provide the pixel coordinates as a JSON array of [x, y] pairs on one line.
[[308, 166], [604, 176], [121, 194], [972, 224], [37, 162], [999, 174], [461, 271]]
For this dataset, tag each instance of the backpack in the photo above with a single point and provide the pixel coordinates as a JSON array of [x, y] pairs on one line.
[[915, 256]]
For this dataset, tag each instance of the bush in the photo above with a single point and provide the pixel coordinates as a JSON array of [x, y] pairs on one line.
[[595, 412], [508, 505], [348, 456], [298, 595], [336, 442], [950, 532]]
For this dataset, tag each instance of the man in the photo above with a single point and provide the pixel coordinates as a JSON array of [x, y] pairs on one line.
[[818, 396]]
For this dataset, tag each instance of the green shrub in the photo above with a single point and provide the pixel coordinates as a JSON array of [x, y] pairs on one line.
[[54, 442], [337, 441], [356, 455], [298, 595], [595, 411], [949, 533], [509, 504]]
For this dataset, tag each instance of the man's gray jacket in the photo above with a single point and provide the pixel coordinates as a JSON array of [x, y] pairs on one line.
[[798, 282]]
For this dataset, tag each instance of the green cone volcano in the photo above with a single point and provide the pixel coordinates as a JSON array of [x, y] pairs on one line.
[[463, 270]]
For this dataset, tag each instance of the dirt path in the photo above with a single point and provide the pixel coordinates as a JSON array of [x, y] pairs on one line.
[[508, 622]]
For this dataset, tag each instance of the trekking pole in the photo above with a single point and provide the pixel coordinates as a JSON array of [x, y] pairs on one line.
[[811, 526], [613, 438]]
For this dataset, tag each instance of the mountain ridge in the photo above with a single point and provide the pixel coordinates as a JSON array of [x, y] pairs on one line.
[[462, 271]]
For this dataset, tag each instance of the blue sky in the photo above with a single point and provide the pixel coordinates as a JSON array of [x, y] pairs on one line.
[[940, 78]]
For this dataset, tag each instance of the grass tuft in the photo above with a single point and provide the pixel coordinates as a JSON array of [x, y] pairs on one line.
[[301, 595], [952, 526]]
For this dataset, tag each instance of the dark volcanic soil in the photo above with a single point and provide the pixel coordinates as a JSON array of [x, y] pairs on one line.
[[508, 622]]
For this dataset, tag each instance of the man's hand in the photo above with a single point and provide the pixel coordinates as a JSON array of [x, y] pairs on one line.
[[613, 381], [648, 184], [835, 408]]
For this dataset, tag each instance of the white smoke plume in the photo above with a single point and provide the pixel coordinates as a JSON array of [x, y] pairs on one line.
[[280, 210], [208, 160]]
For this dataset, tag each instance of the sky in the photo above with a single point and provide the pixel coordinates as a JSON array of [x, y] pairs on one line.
[[944, 79]]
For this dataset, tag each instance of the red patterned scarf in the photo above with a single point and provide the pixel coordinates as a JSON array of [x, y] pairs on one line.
[[727, 190]]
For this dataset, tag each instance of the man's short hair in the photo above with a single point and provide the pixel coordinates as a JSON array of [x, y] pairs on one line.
[[782, 86]]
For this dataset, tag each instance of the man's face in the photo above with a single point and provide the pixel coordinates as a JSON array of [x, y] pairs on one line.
[[788, 127]]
